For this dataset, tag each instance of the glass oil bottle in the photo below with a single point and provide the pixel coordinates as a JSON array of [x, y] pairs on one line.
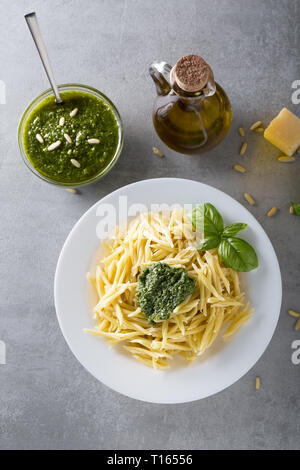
[[191, 113]]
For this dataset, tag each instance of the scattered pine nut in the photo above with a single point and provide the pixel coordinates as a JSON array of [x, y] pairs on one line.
[[54, 145], [291, 210], [75, 162], [69, 151], [257, 383], [157, 152], [294, 314], [40, 138], [72, 190], [272, 211], [68, 138], [74, 112], [286, 159], [61, 121], [249, 199], [241, 131], [259, 130], [240, 168], [93, 141], [297, 325], [243, 148], [255, 125]]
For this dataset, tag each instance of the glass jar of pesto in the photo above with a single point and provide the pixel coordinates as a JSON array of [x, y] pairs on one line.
[[73, 143]]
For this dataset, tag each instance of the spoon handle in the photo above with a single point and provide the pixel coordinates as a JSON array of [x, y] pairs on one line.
[[33, 26]]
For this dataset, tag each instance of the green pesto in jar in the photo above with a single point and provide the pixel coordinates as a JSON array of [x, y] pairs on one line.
[[93, 120]]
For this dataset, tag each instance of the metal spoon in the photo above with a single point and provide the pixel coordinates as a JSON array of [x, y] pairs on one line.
[[34, 28]]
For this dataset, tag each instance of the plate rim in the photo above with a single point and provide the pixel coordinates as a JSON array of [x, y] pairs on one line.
[[245, 370]]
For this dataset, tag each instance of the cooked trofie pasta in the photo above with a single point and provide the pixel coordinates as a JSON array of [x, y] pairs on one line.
[[215, 305]]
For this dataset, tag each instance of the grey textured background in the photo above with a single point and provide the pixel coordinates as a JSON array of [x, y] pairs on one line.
[[47, 400]]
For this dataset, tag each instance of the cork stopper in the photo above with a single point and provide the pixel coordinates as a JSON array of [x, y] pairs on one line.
[[191, 73]]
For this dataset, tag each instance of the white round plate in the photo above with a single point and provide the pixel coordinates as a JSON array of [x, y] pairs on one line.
[[226, 362]]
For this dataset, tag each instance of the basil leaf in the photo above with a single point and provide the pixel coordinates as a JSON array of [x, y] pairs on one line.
[[233, 229], [207, 220], [296, 208], [209, 243], [237, 254]]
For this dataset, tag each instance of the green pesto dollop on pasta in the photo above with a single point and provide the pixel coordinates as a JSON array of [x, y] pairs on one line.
[[161, 288]]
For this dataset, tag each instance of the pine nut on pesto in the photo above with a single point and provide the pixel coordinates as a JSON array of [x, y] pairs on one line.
[[81, 114]]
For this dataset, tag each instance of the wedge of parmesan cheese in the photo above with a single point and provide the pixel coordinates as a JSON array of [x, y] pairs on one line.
[[284, 132]]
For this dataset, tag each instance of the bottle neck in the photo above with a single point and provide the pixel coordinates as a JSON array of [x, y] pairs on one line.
[[207, 90]]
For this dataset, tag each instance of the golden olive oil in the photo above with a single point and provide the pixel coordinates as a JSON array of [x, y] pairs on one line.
[[189, 122]]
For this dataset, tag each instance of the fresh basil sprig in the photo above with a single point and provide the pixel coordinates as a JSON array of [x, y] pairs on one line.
[[206, 219], [235, 253], [233, 229], [209, 243], [296, 208]]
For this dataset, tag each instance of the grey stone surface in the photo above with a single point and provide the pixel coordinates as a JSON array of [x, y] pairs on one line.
[[47, 400]]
